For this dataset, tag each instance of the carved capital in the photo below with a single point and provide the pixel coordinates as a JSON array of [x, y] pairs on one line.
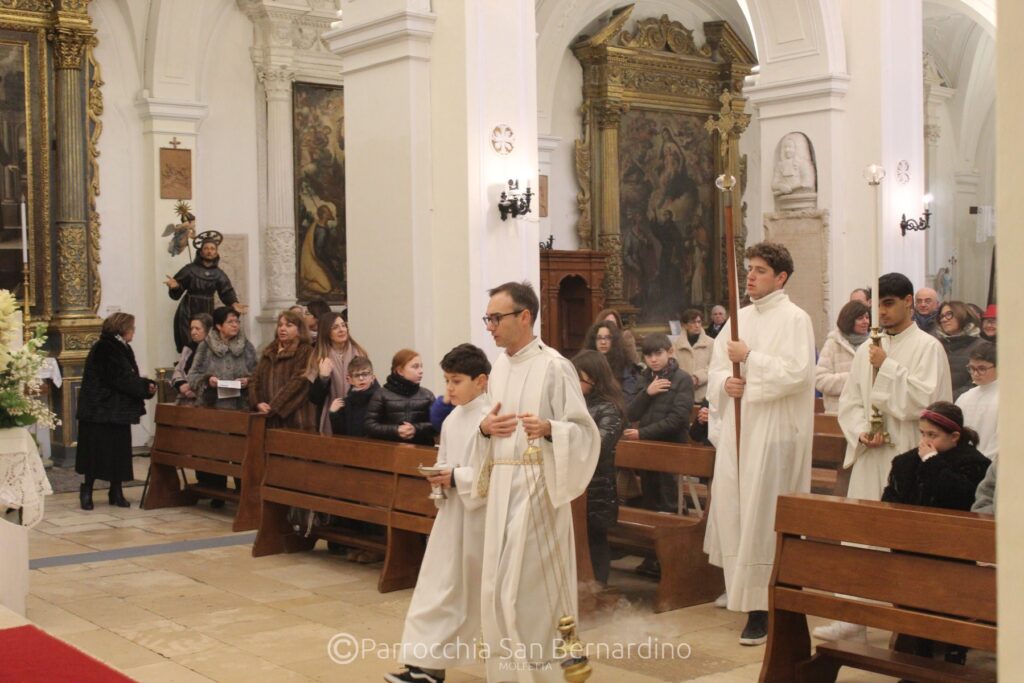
[[69, 47], [74, 6], [608, 113], [932, 133], [276, 80]]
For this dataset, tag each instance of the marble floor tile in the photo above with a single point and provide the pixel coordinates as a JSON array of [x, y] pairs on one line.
[[55, 620], [165, 672], [228, 664], [112, 649]]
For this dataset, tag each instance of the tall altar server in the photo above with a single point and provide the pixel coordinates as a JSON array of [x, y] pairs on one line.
[[529, 569], [776, 393], [913, 373], [442, 626]]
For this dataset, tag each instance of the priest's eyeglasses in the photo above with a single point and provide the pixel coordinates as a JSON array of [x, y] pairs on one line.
[[495, 318]]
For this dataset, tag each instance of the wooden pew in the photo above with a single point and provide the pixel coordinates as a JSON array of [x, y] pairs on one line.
[[827, 424], [676, 541], [827, 474], [918, 567], [357, 479], [363, 480], [224, 442]]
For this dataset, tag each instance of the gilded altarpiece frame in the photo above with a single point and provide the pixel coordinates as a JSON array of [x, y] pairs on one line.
[[646, 165], [57, 171]]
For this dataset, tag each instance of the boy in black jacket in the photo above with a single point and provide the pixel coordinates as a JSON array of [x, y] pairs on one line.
[[349, 415], [662, 408]]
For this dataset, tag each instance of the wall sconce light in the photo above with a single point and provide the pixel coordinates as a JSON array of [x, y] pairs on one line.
[[513, 201], [923, 223]]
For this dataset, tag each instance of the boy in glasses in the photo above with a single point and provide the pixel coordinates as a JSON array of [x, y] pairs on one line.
[[981, 404], [348, 415]]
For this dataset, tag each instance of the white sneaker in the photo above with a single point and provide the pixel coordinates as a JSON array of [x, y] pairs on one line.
[[842, 630], [722, 601]]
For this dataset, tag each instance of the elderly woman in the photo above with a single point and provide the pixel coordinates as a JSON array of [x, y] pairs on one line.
[[225, 354], [280, 385], [837, 353], [111, 400], [198, 328], [959, 336]]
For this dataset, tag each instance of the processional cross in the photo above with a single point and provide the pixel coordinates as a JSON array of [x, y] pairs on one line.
[[731, 122]]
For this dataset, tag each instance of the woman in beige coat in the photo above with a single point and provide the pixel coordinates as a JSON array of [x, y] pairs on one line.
[[693, 352], [837, 353]]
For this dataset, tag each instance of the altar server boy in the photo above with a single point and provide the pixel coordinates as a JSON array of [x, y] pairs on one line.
[[443, 622]]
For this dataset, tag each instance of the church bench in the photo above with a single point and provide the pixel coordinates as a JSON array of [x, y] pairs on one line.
[[827, 424], [827, 474], [676, 541], [225, 442], [921, 572], [362, 480]]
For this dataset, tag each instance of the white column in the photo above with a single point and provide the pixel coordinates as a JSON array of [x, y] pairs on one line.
[[901, 77], [944, 207], [163, 121], [426, 85], [385, 49], [279, 234]]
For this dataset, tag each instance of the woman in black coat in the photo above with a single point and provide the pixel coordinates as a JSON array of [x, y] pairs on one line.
[[605, 405], [111, 400], [400, 410]]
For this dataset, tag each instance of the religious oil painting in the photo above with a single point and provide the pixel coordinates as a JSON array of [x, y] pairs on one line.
[[319, 144], [667, 205], [13, 149], [175, 173]]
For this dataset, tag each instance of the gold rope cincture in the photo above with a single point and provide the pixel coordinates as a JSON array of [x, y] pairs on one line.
[[576, 666]]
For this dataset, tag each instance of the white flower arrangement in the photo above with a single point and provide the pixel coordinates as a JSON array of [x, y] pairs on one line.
[[20, 384]]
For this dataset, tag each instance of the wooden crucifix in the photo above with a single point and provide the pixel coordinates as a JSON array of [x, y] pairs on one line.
[[730, 123]]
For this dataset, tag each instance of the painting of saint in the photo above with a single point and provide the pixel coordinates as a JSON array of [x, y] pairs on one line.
[[666, 173], [13, 150], [319, 142]]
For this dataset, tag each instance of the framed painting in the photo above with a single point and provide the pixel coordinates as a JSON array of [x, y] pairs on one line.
[[318, 120], [175, 173], [646, 165]]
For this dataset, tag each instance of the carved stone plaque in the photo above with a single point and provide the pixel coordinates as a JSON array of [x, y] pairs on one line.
[[175, 173], [805, 234], [234, 260]]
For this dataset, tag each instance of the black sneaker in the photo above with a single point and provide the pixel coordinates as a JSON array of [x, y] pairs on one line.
[[756, 630], [413, 674]]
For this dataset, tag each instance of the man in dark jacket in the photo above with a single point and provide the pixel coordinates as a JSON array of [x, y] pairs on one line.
[[662, 408]]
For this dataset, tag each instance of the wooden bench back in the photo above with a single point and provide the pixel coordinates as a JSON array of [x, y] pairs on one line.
[[671, 458], [920, 562], [828, 451], [827, 424], [340, 474], [205, 439]]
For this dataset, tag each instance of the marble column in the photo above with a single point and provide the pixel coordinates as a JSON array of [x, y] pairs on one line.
[[940, 237], [279, 235]]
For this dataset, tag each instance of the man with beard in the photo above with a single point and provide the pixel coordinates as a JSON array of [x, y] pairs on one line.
[[196, 283]]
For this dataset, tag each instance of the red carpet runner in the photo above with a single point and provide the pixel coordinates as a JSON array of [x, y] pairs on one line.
[[27, 655]]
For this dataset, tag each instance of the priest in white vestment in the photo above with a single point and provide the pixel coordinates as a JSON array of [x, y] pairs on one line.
[[776, 394], [442, 626], [529, 567], [981, 404], [913, 372]]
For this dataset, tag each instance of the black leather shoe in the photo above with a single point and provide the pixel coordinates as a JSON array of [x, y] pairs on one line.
[[756, 630], [116, 497], [85, 497]]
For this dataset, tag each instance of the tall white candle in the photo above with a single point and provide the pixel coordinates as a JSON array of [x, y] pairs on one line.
[[874, 174], [24, 233]]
